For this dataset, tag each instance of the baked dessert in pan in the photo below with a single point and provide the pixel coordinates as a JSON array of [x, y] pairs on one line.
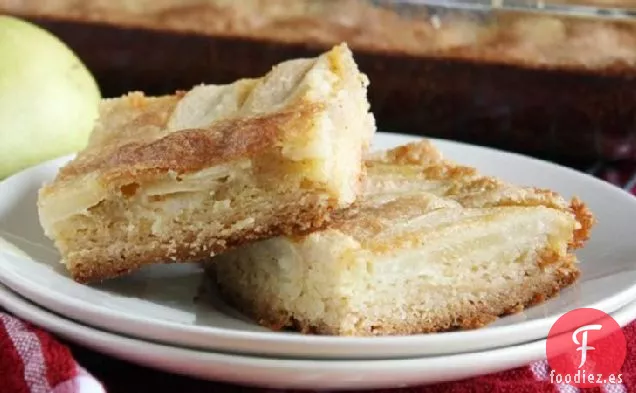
[[535, 82], [495, 35], [430, 246], [182, 177]]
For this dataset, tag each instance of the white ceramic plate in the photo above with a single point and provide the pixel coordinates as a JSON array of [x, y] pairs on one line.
[[288, 373], [159, 303]]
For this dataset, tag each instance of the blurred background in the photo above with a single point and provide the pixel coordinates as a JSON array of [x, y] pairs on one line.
[[554, 79]]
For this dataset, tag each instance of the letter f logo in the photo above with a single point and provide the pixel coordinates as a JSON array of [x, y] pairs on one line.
[[583, 344]]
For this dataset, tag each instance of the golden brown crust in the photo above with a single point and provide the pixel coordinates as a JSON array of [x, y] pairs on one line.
[[585, 218], [415, 153], [462, 183], [190, 150], [99, 265], [472, 315]]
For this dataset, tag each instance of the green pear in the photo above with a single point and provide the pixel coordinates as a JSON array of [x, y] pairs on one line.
[[48, 99]]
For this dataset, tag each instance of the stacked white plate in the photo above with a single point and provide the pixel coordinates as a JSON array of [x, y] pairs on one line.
[[169, 318]]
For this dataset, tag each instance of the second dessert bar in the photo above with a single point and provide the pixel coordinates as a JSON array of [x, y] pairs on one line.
[[431, 246]]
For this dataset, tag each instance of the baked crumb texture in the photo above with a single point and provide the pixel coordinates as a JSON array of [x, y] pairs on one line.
[[431, 246], [186, 176]]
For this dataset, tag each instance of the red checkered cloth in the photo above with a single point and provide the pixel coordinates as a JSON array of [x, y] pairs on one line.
[[32, 361]]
